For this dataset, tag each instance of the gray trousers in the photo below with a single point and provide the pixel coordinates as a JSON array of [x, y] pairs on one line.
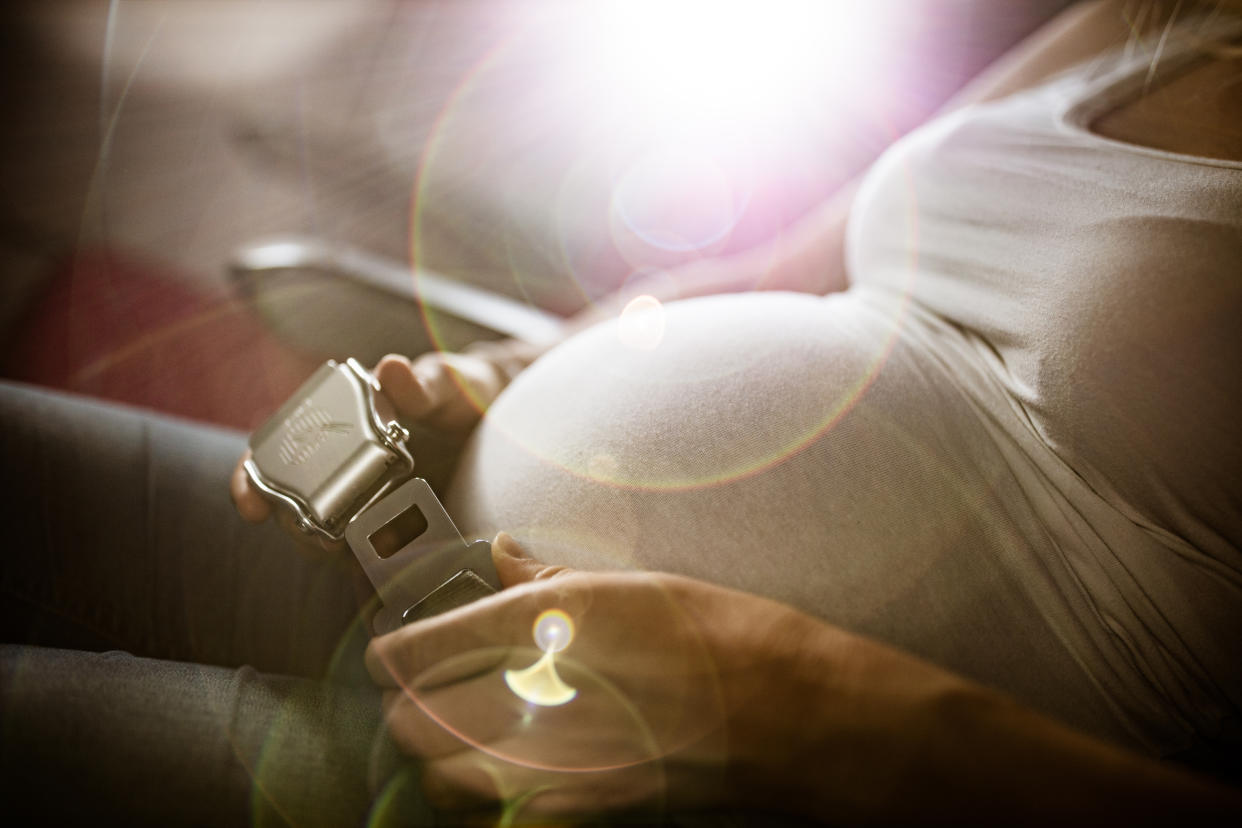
[[163, 662]]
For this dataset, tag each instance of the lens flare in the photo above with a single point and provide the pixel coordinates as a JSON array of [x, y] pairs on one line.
[[701, 95], [739, 62], [641, 325], [553, 631], [540, 683], [678, 200]]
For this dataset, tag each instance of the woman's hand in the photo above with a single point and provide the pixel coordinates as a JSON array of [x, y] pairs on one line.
[[444, 391], [687, 695]]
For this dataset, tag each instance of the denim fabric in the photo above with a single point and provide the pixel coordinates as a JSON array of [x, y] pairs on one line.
[[112, 737], [164, 662]]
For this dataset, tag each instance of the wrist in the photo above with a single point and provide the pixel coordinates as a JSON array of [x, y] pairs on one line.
[[987, 759], [820, 722], [874, 746], [844, 729]]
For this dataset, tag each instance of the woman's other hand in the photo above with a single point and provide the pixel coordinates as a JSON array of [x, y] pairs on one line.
[[448, 391], [443, 391]]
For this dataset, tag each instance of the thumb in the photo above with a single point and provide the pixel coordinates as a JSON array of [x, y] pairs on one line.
[[515, 566]]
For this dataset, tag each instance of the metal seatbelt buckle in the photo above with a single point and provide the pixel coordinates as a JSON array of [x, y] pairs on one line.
[[433, 571], [329, 456]]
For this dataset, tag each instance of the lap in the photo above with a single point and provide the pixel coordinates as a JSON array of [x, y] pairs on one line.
[[110, 736], [122, 536]]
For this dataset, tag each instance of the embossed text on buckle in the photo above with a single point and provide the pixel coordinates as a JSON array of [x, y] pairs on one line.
[[327, 453]]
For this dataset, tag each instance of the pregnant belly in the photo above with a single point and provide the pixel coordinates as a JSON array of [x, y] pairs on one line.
[[824, 453], [764, 443]]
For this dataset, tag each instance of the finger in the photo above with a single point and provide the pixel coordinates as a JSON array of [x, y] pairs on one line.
[[414, 731], [419, 735], [473, 777], [250, 502], [411, 397], [459, 385], [463, 780], [446, 720], [514, 564], [470, 778], [500, 620], [398, 658]]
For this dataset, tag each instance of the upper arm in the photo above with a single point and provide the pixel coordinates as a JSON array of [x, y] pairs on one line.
[[812, 257], [1076, 34]]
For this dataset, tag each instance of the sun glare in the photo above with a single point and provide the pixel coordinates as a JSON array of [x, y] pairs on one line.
[[739, 60], [539, 683]]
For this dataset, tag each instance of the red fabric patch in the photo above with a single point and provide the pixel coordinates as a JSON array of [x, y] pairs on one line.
[[119, 327]]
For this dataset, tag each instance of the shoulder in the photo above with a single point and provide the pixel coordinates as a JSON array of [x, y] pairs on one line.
[[1195, 111], [1076, 34]]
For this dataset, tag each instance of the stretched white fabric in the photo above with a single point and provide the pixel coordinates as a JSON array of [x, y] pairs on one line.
[[1011, 447]]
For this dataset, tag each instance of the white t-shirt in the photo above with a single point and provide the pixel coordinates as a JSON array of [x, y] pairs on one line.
[[1011, 447]]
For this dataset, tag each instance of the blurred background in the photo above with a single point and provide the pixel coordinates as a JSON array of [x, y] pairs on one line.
[[547, 150]]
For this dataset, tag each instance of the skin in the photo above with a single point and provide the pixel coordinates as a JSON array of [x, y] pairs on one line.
[[441, 390], [746, 701]]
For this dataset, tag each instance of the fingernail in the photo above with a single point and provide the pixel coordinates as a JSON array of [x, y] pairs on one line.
[[506, 544]]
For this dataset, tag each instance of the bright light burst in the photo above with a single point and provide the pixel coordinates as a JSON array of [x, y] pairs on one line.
[[744, 61], [641, 326], [696, 93], [539, 683], [553, 630]]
